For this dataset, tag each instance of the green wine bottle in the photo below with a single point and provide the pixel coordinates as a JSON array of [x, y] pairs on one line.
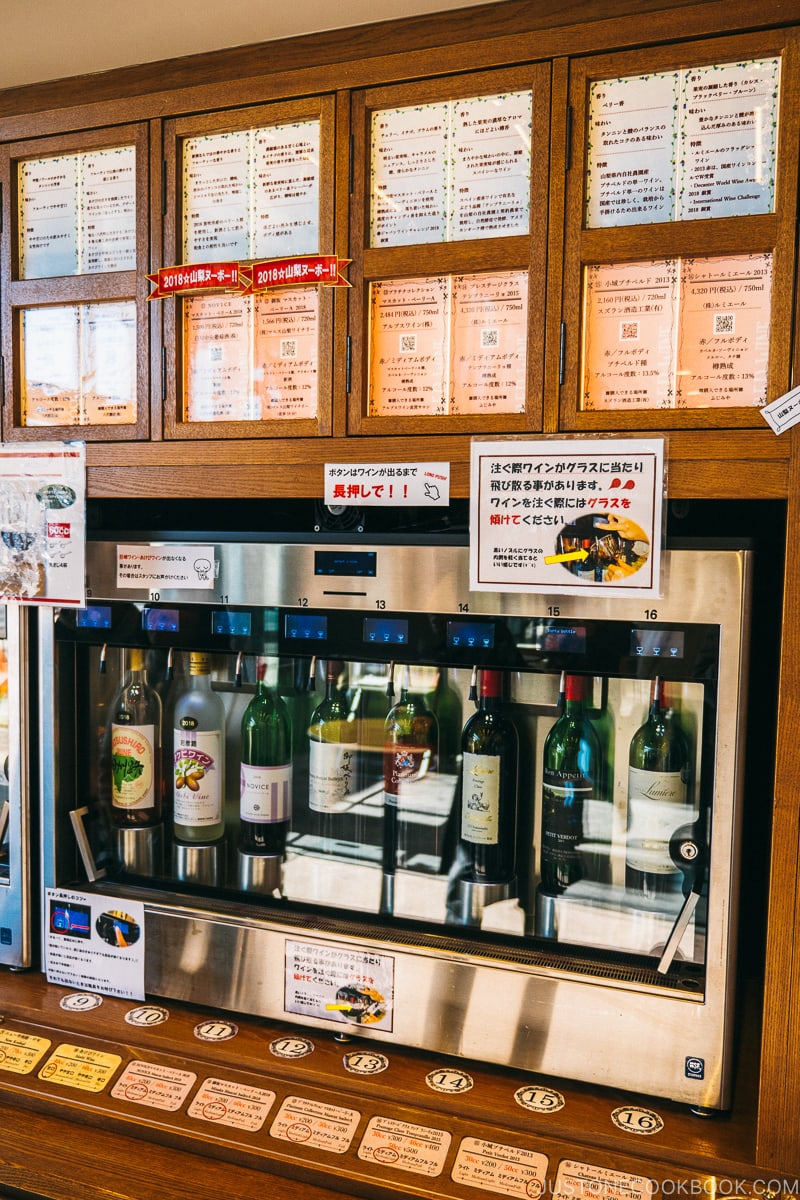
[[571, 779], [266, 771]]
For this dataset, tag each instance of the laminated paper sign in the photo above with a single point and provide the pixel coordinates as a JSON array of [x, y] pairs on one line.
[[567, 516]]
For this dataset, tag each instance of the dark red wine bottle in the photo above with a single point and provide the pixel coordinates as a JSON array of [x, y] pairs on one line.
[[490, 755]]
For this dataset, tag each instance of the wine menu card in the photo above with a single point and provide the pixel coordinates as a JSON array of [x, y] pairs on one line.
[[683, 145]]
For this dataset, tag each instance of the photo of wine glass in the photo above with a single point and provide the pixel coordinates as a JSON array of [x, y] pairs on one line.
[[603, 547]]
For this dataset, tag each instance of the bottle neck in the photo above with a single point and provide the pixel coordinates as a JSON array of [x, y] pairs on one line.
[[136, 667], [658, 702], [575, 693], [491, 694]]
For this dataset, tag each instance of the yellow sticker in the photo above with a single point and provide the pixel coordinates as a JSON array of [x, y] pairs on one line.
[[79, 1067], [20, 1052]]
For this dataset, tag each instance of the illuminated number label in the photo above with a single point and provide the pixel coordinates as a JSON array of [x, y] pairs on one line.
[[637, 1120]]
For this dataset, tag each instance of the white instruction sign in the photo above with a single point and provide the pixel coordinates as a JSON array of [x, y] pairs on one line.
[[339, 983], [158, 568], [567, 516], [95, 943], [387, 485]]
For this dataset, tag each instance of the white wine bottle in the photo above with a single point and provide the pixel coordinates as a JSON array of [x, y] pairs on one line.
[[199, 757], [136, 792], [659, 800]]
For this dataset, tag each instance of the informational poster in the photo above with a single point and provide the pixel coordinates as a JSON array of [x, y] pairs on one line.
[[43, 522], [339, 983], [490, 165], [216, 220], [677, 333], [490, 340], [567, 516], [95, 943], [286, 354], [251, 193], [386, 485], [409, 347], [452, 170], [723, 333], [77, 213], [252, 358], [285, 163], [629, 335], [158, 568], [630, 176], [683, 145], [448, 345], [217, 349], [79, 364]]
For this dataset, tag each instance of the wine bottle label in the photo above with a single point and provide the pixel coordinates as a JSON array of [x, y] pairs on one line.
[[197, 780], [331, 774], [132, 766], [480, 804], [657, 806], [266, 793], [563, 800], [404, 765]]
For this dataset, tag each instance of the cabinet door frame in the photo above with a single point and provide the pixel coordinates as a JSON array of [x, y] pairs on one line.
[[176, 131], [20, 294], [491, 255], [761, 233]]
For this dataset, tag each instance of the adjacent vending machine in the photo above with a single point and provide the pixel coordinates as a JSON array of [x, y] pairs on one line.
[[356, 796], [16, 716]]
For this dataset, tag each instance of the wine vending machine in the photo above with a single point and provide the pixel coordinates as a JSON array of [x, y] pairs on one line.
[[355, 796]]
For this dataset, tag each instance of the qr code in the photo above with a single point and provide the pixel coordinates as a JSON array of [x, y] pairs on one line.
[[490, 339], [629, 331], [215, 353], [288, 347], [408, 343], [724, 323]]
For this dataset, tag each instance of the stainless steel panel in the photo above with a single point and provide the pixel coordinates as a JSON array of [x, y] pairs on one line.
[[540, 1016]]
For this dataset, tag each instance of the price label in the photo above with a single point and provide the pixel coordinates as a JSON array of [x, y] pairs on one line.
[[79, 1067], [539, 1099], [236, 1105], [405, 1147], [507, 1170], [583, 1181], [20, 1052], [314, 1123], [153, 1085], [633, 1119]]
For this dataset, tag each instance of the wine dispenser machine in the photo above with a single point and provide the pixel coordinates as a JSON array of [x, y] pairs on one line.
[[323, 843]]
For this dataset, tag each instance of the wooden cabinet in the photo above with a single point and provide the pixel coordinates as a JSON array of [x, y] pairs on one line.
[[341, 79]]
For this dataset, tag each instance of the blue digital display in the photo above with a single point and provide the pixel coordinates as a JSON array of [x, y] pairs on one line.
[[346, 563], [161, 620], [98, 616], [306, 627], [385, 631], [470, 635], [564, 639], [234, 624], [657, 643]]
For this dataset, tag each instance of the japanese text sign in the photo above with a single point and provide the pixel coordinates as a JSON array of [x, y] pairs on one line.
[[562, 517], [387, 484]]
